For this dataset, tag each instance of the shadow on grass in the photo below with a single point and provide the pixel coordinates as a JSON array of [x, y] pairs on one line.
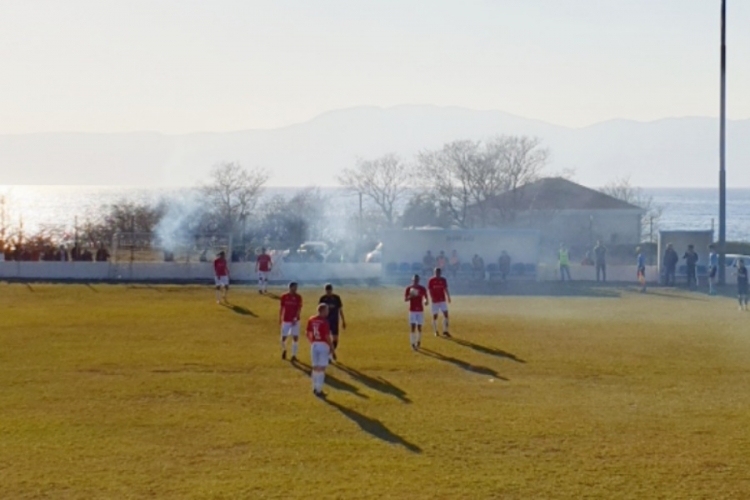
[[272, 295], [146, 287], [331, 381], [31, 289], [374, 427], [88, 285], [194, 368], [665, 293], [492, 351], [239, 309], [376, 383], [481, 370]]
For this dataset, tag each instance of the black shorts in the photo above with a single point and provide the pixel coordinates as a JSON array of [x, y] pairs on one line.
[[712, 272], [741, 288], [334, 329]]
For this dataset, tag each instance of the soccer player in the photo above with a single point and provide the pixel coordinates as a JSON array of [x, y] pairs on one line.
[[438, 288], [291, 307], [335, 311], [263, 266], [221, 277], [416, 295], [321, 347]]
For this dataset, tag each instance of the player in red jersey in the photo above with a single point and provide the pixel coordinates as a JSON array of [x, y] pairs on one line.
[[416, 295], [438, 288], [321, 347], [221, 277], [263, 266], [291, 307]]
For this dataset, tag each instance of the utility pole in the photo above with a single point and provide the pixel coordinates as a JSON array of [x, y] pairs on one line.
[[722, 148]]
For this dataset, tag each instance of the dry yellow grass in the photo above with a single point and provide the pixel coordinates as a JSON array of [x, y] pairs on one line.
[[157, 392]]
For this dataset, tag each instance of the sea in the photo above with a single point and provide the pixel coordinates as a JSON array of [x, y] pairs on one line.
[[35, 208]]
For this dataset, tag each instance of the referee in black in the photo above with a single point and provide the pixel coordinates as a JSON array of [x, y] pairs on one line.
[[335, 310]]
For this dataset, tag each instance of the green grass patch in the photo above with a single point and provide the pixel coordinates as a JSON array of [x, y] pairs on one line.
[[158, 392]]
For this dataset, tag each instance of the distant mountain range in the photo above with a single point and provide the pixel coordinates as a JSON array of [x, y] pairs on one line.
[[678, 152]]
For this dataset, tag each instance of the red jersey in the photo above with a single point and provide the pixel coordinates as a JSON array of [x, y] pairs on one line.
[[291, 306], [416, 302], [263, 262], [437, 287], [220, 267], [318, 330]]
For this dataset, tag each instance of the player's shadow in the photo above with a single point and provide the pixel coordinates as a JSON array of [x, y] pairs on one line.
[[239, 309], [331, 381], [376, 383], [482, 370], [492, 351], [273, 296], [374, 427], [667, 295]]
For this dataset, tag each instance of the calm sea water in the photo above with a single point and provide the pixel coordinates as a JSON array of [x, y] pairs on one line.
[[38, 207]]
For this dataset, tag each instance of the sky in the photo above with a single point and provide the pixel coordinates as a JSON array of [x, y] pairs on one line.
[[185, 66]]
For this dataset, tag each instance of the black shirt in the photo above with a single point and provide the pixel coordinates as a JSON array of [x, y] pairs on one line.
[[742, 276], [334, 304]]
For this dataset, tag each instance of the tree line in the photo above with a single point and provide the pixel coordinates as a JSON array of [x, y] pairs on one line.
[[456, 185]]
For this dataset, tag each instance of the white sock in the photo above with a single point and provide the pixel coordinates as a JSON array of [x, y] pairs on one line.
[[283, 344], [412, 335], [314, 378], [434, 325], [265, 285], [260, 284], [419, 336], [218, 295], [321, 380], [445, 324], [294, 347]]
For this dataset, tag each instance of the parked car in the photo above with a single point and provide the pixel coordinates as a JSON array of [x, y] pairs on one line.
[[732, 258], [376, 255]]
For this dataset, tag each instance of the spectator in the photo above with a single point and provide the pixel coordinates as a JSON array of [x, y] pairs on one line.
[[75, 253], [102, 255], [669, 261], [62, 254], [454, 263], [563, 261], [441, 261], [600, 260], [428, 263], [477, 266], [691, 259], [503, 264], [87, 256]]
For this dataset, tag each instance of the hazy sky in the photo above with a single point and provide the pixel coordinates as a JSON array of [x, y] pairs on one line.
[[181, 66]]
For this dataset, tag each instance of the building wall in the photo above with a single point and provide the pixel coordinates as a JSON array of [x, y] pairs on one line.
[[581, 228]]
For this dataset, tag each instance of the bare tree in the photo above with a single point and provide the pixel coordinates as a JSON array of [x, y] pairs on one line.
[[385, 181], [233, 194], [622, 189], [466, 176]]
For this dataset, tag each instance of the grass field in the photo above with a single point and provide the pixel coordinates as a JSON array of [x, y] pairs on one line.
[[157, 392]]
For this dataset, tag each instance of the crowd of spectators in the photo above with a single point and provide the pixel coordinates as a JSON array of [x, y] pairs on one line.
[[52, 253]]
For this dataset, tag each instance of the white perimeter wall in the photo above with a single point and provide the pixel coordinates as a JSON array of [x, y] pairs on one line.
[[176, 271]]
